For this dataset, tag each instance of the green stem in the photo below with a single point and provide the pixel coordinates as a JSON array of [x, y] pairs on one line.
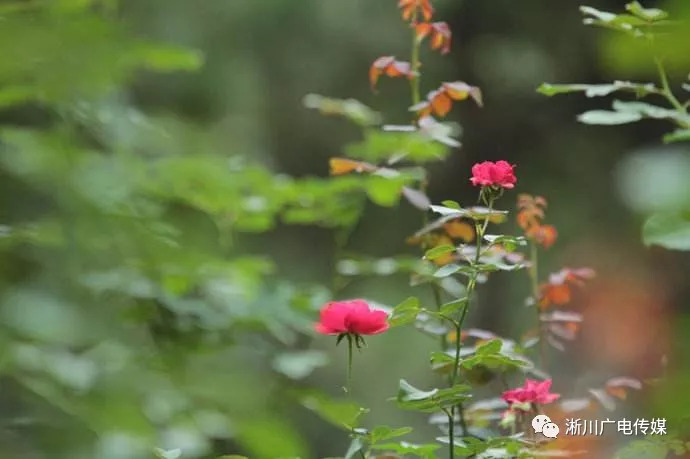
[[666, 87], [534, 279], [348, 383], [451, 433], [414, 64]]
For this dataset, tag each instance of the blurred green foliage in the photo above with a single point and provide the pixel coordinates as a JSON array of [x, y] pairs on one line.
[[126, 297]]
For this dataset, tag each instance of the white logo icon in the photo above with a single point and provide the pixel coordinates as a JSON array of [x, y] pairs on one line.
[[539, 421], [542, 424], [550, 430]]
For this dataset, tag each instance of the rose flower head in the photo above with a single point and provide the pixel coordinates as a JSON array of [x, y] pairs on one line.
[[497, 174], [351, 317], [536, 392]]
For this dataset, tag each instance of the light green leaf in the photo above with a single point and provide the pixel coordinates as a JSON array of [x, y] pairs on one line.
[[425, 451], [409, 397], [447, 270], [606, 117], [453, 306], [299, 364], [679, 135], [380, 146], [650, 111], [380, 433], [598, 90], [405, 312], [669, 230], [438, 251], [341, 413], [647, 14]]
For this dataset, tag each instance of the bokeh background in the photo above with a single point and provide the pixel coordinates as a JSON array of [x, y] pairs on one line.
[[158, 280]]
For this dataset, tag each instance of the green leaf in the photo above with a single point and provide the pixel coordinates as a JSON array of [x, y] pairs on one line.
[[385, 191], [284, 439], [351, 109], [380, 146], [643, 449], [438, 251], [647, 14], [650, 111], [605, 117], [381, 433], [405, 313], [447, 270], [491, 347], [489, 355], [679, 135], [451, 204], [411, 398], [669, 230], [621, 22], [166, 58], [475, 213], [299, 364], [598, 90], [168, 454], [510, 243], [356, 445], [453, 306], [441, 361], [425, 451], [343, 414]]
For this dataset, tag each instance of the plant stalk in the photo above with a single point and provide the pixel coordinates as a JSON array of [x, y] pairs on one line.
[[348, 383], [534, 280]]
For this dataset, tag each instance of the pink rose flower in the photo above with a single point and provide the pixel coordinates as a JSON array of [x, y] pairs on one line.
[[498, 174], [353, 316], [532, 392]]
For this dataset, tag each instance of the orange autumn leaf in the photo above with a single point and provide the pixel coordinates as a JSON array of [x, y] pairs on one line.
[[459, 90], [619, 387], [558, 294], [440, 34], [531, 211], [410, 8], [459, 230], [440, 101], [529, 218], [341, 166], [544, 235], [557, 291], [387, 65]]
